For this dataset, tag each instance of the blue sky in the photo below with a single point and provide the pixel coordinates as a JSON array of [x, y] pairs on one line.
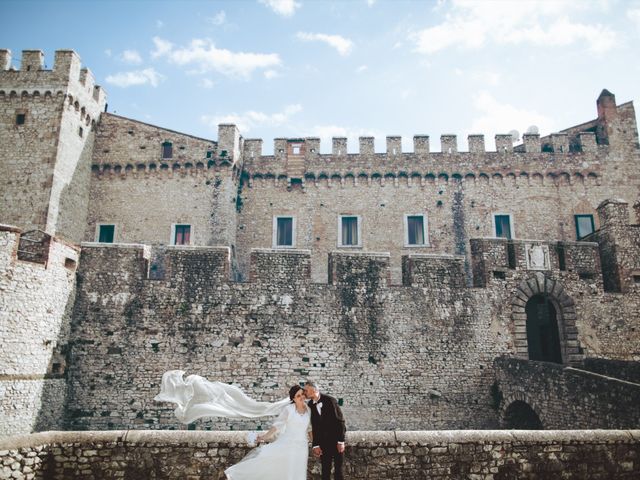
[[293, 68]]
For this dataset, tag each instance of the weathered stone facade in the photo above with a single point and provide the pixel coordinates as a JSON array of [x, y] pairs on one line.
[[403, 331]]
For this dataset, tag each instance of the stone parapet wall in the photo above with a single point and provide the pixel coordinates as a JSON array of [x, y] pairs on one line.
[[487, 455], [623, 370]]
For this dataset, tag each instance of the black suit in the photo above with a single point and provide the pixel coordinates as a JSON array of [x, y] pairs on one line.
[[328, 429]]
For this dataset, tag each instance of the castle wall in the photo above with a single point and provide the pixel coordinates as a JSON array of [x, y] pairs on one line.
[[144, 194], [413, 356], [28, 153], [46, 153], [456, 210], [35, 310], [459, 192], [580, 455], [394, 355]]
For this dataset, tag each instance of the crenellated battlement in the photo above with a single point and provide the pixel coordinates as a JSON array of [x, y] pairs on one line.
[[66, 76], [493, 260], [309, 147]]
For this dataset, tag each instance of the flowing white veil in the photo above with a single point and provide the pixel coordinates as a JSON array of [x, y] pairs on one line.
[[197, 397]]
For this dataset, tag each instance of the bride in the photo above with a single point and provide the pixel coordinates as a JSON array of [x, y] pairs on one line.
[[284, 459]]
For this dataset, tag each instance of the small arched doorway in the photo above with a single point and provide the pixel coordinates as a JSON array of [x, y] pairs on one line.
[[543, 337], [520, 416]]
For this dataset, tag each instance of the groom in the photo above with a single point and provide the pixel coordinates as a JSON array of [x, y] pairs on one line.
[[328, 428]]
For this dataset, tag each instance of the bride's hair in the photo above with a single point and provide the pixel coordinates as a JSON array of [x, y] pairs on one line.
[[293, 390]]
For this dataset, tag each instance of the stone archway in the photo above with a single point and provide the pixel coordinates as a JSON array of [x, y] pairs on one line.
[[520, 416], [552, 292], [520, 412]]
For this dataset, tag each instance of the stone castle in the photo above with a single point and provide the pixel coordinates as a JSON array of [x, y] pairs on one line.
[[425, 289]]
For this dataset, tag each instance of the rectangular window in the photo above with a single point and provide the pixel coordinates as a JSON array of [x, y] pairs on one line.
[[283, 232], [167, 150], [502, 226], [20, 118], [349, 231], [106, 233], [80, 132], [415, 231], [584, 226], [182, 234]]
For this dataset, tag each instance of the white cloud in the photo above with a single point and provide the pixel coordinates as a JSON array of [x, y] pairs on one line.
[[633, 14], [148, 76], [370, 3], [159, 24], [271, 74], [203, 54], [341, 44], [487, 77], [206, 83], [163, 47], [362, 69], [251, 119], [286, 8], [473, 24], [131, 57], [497, 118], [218, 19], [108, 52]]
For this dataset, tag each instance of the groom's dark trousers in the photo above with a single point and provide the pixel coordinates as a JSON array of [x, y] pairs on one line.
[[328, 429]]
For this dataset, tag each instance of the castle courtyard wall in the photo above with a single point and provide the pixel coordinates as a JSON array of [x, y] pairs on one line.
[[417, 356]]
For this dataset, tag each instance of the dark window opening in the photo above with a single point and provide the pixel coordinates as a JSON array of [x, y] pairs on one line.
[[562, 262], [543, 338], [584, 226], [511, 255], [209, 154], [415, 227], [80, 132], [284, 234], [20, 118], [349, 231], [167, 150], [70, 263], [497, 274], [106, 233], [182, 235], [503, 226], [636, 279]]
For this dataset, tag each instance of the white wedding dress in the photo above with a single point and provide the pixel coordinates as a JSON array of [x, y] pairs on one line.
[[284, 459]]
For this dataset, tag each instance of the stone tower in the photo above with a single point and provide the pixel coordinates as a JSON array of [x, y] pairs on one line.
[[47, 125]]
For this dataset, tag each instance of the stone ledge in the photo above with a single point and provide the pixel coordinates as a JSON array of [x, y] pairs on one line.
[[353, 438]]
